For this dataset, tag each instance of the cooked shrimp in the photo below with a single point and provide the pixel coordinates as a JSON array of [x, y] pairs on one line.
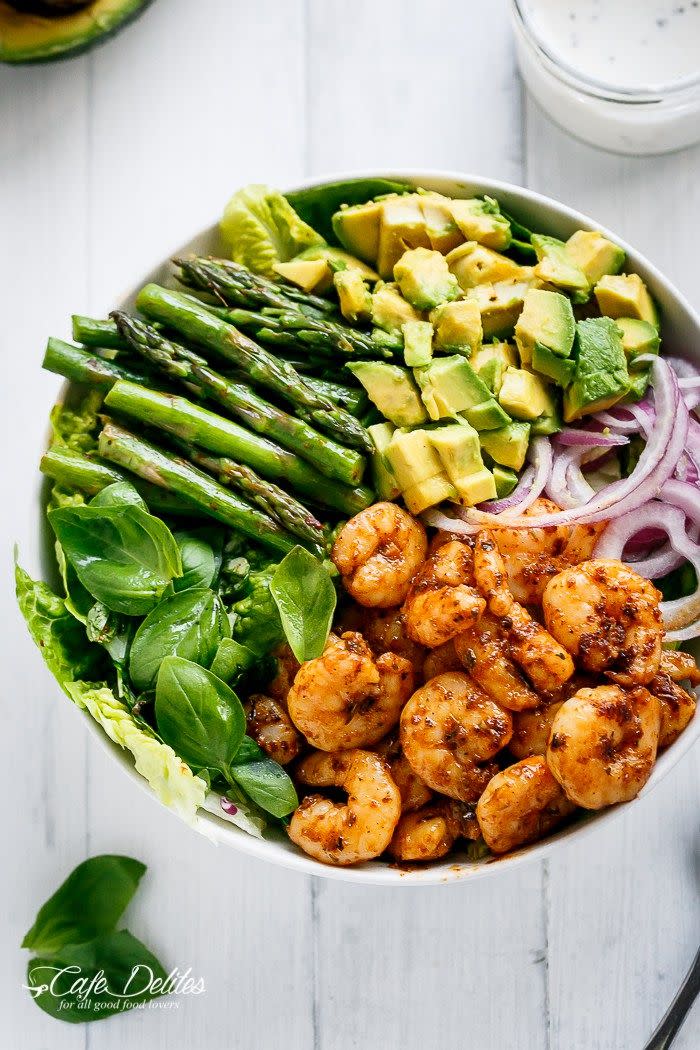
[[485, 654], [608, 618], [414, 793], [345, 698], [384, 630], [378, 552], [440, 660], [531, 730], [287, 666], [680, 666], [449, 731], [677, 707], [442, 600], [272, 729], [603, 744], [546, 663], [350, 832], [521, 804], [533, 556], [431, 832]]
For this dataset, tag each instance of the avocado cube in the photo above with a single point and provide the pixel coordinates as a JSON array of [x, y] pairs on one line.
[[505, 481], [384, 480], [481, 220], [313, 275], [390, 310], [338, 259], [601, 377], [508, 445], [491, 361], [487, 416], [500, 305], [548, 319], [556, 266], [402, 226], [523, 395], [639, 382], [473, 264], [353, 295], [425, 279], [477, 487], [595, 254], [417, 343], [418, 470], [428, 493], [393, 391], [357, 229], [638, 337], [560, 369], [457, 327], [449, 385], [626, 295], [460, 453], [443, 232]]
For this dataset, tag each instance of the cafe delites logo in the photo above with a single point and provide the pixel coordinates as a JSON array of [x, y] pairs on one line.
[[93, 991]]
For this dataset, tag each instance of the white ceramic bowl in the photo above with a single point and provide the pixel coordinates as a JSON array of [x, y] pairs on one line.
[[681, 335]]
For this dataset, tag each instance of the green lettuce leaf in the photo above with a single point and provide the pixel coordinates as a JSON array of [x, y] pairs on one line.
[[74, 428], [261, 228]]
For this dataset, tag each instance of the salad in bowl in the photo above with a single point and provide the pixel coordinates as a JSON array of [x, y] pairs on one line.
[[375, 523]]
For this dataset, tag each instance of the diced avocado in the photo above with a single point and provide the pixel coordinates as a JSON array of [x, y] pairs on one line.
[[638, 337], [508, 445], [357, 229], [559, 369], [487, 416], [402, 226], [491, 361], [639, 382], [500, 305], [595, 254], [550, 422], [392, 389], [417, 343], [45, 32], [473, 264], [460, 453], [353, 295], [481, 220], [626, 295], [523, 395], [418, 470], [556, 266], [337, 259], [313, 275], [443, 232], [385, 484], [457, 326], [449, 385], [505, 480], [601, 378], [425, 279], [390, 310], [547, 318]]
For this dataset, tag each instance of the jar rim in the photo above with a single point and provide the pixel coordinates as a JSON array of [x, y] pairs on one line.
[[596, 88]]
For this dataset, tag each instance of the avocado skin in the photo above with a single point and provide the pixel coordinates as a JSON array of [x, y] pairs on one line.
[[78, 46]]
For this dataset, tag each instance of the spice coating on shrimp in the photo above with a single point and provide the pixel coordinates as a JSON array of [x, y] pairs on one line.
[[485, 654], [431, 832], [270, 726], [677, 707], [521, 804], [378, 552], [442, 600]]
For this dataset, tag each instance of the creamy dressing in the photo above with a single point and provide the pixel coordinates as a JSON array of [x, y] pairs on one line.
[[626, 44]]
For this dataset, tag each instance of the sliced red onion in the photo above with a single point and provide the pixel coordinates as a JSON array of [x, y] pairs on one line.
[[687, 469], [540, 455], [228, 806], [618, 424], [497, 506], [684, 496], [683, 368], [447, 523], [567, 485], [590, 438]]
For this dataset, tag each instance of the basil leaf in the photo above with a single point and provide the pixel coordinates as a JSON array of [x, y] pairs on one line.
[[198, 715], [124, 556], [78, 600], [268, 785], [120, 494], [249, 751], [105, 976], [305, 597], [232, 660], [89, 903], [190, 624], [201, 551], [110, 630]]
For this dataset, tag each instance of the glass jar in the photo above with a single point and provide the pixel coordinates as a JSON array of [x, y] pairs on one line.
[[621, 74]]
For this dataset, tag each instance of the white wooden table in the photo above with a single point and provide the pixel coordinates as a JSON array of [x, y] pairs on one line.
[[106, 163]]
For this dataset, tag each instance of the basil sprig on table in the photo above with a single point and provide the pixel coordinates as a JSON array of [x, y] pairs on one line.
[[85, 969], [305, 597]]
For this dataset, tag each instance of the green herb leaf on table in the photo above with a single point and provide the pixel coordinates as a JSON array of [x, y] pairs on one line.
[[268, 785], [306, 600], [124, 556], [190, 624], [201, 552], [198, 715], [89, 903]]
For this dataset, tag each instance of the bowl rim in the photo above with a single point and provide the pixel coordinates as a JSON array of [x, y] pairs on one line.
[[282, 852]]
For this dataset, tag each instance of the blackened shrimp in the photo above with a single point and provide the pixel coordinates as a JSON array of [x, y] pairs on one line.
[[378, 552], [430, 833], [442, 600], [521, 804]]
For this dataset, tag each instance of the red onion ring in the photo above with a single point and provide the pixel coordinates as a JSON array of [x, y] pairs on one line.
[[497, 506], [590, 438]]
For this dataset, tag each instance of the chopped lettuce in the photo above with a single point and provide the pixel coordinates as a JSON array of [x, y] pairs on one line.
[[261, 228], [74, 428], [171, 779]]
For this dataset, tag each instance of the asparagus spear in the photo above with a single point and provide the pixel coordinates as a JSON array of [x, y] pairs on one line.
[[83, 367], [201, 491], [194, 321], [182, 364], [232, 283], [91, 475], [91, 332], [199, 426], [354, 399]]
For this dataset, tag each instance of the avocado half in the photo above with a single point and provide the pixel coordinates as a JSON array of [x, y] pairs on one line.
[[46, 30]]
